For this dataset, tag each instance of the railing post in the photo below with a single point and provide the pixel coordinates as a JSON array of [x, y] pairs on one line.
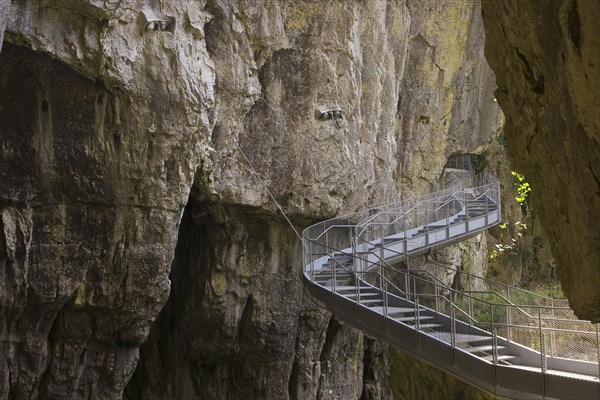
[[448, 221], [495, 353], [492, 318], [352, 241], [357, 298], [381, 258], [426, 225], [405, 237], [466, 212], [417, 324], [598, 346], [312, 260], [385, 304], [541, 334], [333, 278], [509, 316], [470, 305], [486, 210], [544, 362], [497, 199], [453, 333], [543, 350], [415, 289], [357, 278], [552, 332]]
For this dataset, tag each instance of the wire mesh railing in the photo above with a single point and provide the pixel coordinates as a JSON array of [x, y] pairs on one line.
[[525, 330], [438, 219], [549, 336]]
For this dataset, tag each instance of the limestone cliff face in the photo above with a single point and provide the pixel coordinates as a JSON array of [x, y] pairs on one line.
[[99, 147], [123, 160], [546, 55]]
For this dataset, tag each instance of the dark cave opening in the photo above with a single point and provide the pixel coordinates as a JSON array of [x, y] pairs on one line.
[[155, 374]]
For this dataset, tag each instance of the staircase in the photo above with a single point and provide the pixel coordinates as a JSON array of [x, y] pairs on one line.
[[500, 338]]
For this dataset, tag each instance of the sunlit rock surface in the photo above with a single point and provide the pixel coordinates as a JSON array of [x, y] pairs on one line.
[[123, 160]]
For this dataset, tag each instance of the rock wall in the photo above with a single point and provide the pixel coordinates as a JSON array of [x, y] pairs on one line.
[[411, 97], [99, 145], [106, 128], [546, 55]]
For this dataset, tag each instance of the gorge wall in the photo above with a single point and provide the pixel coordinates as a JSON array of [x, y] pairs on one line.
[[546, 55], [137, 168]]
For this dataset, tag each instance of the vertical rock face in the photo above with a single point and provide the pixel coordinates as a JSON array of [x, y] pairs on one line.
[[98, 149], [3, 18], [411, 89], [106, 127], [546, 55]]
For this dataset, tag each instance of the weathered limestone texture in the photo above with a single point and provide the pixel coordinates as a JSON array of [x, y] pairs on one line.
[[3, 18], [99, 144], [414, 89], [526, 259], [546, 55], [413, 379], [123, 160]]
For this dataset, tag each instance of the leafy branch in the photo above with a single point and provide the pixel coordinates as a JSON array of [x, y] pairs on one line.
[[523, 190], [523, 187], [501, 247]]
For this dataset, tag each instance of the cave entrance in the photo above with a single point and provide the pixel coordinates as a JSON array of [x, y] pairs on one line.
[[465, 161]]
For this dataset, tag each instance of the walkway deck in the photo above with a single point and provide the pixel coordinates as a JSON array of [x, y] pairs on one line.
[[357, 267]]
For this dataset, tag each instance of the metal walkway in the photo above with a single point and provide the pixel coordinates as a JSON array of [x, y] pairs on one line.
[[500, 338]]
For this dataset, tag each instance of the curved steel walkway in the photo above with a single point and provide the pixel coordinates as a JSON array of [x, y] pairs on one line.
[[503, 339]]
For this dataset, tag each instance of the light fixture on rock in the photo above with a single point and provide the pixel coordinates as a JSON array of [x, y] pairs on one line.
[[327, 114], [151, 22]]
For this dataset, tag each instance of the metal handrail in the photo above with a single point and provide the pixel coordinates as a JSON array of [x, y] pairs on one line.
[[417, 201], [541, 329], [477, 277], [483, 190], [439, 283], [445, 203]]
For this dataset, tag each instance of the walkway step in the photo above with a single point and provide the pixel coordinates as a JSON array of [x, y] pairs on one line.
[[436, 226], [391, 240], [429, 326], [500, 358], [330, 278], [329, 284], [480, 349], [338, 264], [343, 288], [413, 319], [363, 294], [463, 338], [371, 301], [473, 339], [330, 275], [393, 310], [329, 270]]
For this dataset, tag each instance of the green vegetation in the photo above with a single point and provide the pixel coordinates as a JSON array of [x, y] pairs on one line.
[[482, 307], [523, 190], [523, 187]]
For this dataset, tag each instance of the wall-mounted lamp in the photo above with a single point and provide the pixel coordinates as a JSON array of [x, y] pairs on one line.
[[151, 22], [157, 25], [324, 114]]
